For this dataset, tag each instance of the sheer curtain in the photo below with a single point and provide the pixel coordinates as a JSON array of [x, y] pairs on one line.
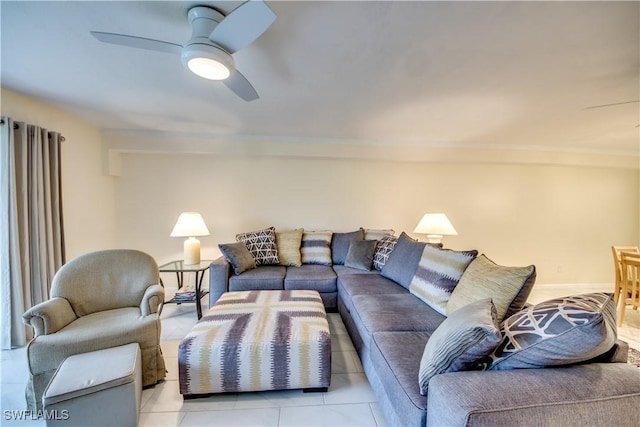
[[31, 229]]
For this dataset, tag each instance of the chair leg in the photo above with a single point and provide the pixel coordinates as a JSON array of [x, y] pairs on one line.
[[621, 309]]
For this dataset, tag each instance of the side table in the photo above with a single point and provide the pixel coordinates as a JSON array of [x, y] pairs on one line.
[[179, 267]]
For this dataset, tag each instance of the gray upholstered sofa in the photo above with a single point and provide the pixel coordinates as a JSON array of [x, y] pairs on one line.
[[390, 326]]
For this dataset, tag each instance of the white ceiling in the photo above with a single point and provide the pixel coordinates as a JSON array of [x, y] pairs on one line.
[[478, 74]]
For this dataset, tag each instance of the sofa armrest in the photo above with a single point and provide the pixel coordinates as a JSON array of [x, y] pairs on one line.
[[219, 273], [151, 300], [593, 394], [49, 316]]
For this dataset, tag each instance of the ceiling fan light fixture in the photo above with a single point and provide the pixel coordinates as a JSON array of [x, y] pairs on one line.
[[208, 61]]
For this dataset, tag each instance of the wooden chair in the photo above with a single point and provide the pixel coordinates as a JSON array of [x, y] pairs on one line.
[[630, 291], [617, 250]]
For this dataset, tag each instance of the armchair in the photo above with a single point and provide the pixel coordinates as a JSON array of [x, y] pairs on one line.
[[98, 300]]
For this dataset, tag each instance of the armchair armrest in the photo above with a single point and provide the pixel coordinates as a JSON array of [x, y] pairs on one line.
[[49, 316], [219, 272], [151, 300], [591, 394]]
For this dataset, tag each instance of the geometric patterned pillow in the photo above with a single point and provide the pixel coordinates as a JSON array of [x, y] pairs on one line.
[[383, 248], [438, 273], [262, 245], [316, 247], [557, 332]]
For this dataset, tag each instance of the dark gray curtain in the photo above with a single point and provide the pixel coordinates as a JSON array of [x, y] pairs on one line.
[[31, 223]]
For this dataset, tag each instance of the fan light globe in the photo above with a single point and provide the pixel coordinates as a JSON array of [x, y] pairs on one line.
[[208, 61]]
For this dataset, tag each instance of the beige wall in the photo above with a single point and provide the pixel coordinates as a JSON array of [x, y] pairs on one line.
[[563, 219], [87, 194]]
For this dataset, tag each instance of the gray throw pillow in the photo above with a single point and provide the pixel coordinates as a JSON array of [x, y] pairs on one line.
[[340, 243], [403, 260], [238, 256], [557, 332], [360, 254], [461, 343]]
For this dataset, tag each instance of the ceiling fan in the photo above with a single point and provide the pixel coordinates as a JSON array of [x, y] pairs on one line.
[[215, 37]]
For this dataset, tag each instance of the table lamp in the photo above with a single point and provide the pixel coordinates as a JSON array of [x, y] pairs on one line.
[[435, 226], [190, 224]]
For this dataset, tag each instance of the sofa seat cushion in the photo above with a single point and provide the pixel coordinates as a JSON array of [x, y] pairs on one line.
[[270, 277], [395, 312], [350, 285], [342, 270], [395, 356], [96, 331], [321, 278]]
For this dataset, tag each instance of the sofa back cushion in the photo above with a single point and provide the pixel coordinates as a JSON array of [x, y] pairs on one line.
[[403, 261], [340, 243], [437, 274], [316, 247], [508, 287]]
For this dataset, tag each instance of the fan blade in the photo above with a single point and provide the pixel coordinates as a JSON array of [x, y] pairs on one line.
[[241, 86], [612, 105], [138, 42], [243, 25]]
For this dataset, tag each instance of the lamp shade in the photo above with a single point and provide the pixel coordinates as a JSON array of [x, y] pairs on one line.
[[190, 224], [436, 225]]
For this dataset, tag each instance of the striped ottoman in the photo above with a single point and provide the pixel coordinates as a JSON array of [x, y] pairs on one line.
[[257, 340]]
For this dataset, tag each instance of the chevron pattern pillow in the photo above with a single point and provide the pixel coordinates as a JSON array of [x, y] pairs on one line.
[[316, 247], [438, 273], [262, 245]]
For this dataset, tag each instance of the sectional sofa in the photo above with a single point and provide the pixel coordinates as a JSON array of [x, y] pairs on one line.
[[445, 337]]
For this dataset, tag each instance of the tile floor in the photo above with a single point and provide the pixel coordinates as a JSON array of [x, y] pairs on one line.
[[349, 401]]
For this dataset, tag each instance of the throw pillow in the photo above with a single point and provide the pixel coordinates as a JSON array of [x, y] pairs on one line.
[[316, 247], [360, 254], [383, 248], [461, 343], [288, 244], [403, 260], [262, 245], [238, 256], [438, 273], [557, 332], [373, 234], [508, 287], [340, 245]]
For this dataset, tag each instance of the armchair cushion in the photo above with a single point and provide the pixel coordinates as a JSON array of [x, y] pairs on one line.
[[49, 316]]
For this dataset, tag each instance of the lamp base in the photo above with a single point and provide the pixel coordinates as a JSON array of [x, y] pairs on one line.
[[434, 238], [192, 251]]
